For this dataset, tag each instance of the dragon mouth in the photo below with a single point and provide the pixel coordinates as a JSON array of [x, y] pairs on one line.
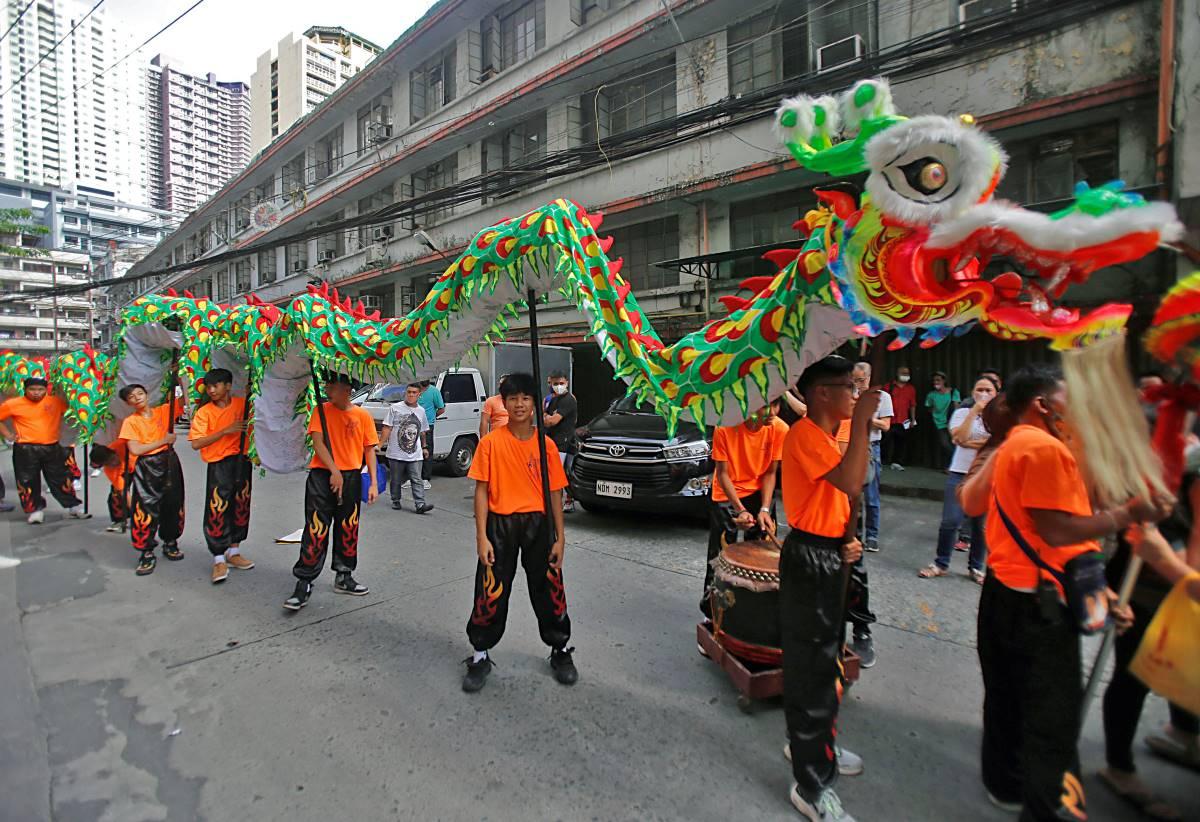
[[1049, 255]]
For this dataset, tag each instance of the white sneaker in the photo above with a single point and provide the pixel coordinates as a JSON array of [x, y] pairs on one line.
[[78, 486], [78, 513], [428, 484], [95, 472], [36, 518], [827, 808], [897, 466], [849, 763]]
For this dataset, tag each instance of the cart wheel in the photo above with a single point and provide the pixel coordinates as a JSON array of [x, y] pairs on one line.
[[745, 704]]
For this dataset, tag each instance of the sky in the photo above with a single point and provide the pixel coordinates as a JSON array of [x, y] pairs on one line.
[[226, 36]]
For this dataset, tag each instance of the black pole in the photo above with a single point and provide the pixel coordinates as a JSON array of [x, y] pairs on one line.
[[316, 381], [541, 422], [174, 385], [246, 412], [83, 477]]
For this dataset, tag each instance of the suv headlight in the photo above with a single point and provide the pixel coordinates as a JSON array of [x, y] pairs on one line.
[[688, 451]]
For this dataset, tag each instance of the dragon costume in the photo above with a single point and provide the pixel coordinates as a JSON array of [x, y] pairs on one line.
[[908, 255]]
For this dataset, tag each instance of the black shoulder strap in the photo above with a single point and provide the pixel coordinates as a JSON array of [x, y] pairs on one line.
[[1024, 545]]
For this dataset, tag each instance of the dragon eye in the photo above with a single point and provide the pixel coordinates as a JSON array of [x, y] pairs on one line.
[[926, 175]]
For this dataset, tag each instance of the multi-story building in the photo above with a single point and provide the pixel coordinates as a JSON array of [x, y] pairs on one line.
[[659, 115], [200, 133], [298, 73], [30, 327], [70, 112]]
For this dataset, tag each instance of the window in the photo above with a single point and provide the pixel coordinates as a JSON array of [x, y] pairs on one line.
[[225, 290], [768, 49], [763, 221], [268, 270], [295, 257], [1047, 168], [646, 98], [431, 179], [522, 143], [431, 85], [375, 122], [459, 388], [511, 36], [586, 12], [328, 155], [842, 33], [384, 197], [293, 175], [643, 245]]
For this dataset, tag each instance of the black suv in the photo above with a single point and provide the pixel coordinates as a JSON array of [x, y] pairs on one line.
[[626, 461]]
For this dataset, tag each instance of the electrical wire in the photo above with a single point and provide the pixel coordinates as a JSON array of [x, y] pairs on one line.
[[13, 24], [53, 49]]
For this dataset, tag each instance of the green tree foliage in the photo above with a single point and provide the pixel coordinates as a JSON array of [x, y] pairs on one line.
[[13, 223]]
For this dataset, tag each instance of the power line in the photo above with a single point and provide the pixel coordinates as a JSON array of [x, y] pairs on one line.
[[13, 24], [53, 49]]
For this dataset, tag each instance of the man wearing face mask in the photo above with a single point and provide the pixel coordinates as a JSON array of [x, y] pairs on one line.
[[898, 438], [1028, 642], [562, 415]]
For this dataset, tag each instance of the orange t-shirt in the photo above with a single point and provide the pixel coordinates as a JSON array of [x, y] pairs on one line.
[[748, 455], [494, 410], [1033, 470], [812, 503], [350, 431], [145, 430], [36, 423], [211, 418], [843, 432], [512, 470], [116, 473]]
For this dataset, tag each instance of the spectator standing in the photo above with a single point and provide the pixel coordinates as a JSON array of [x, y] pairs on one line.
[[880, 423], [969, 433], [435, 406], [406, 432], [898, 438], [494, 414], [940, 401], [562, 417]]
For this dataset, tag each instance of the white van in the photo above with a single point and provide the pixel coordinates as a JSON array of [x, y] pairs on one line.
[[456, 432]]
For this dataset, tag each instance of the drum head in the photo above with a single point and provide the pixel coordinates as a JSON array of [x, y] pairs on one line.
[[754, 555]]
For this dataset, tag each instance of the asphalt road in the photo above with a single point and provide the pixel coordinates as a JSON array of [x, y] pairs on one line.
[[165, 697]]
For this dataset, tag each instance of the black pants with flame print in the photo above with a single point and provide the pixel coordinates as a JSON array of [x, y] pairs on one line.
[[326, 516], [32, 462], [116, 505], [156, 500], [527, 535], [227, 503]]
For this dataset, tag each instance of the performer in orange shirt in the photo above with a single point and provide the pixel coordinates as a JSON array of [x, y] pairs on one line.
[[511, 521], [343, 439], [493, 414], [818, 482], [747, 459], [111, 459], [218, 433], [156, 495], [37, 418]]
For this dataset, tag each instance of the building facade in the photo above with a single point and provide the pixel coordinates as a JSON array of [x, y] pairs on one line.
[[298, 73], [48, 326], [477, 87], [60, 124], [200, 134]]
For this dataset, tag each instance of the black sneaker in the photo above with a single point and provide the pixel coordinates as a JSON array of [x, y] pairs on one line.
[[872, 546], [424, 508], [299, 597], [477, 674], [564, 668], [864, 648], [146, 564], [171, 551], [343, 583], [397, 505]]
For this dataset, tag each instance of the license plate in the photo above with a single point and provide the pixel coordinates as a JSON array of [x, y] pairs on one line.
[[624, 490]]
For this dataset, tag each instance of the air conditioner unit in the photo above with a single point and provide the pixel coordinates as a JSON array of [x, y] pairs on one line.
[[379, 132], [371, 302], [298, 266], [376, 254], [840, 52], [970, 10], [382, 233], [326, 256]]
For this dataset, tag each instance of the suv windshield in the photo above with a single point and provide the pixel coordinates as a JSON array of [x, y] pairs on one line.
[[630, 405]]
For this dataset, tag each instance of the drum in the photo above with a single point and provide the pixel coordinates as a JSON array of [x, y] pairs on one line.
[[745, 600]]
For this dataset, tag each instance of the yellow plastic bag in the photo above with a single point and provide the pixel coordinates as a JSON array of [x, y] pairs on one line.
[[1168, 660]]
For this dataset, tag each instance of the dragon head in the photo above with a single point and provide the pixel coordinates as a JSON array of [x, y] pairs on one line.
[[914, 253]]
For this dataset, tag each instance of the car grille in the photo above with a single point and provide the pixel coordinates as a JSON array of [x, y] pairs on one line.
[[631, 453], [646, 478]]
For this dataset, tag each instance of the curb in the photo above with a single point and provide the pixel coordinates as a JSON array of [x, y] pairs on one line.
[[912, 492]]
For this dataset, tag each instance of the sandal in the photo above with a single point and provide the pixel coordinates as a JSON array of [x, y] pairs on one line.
[[1169, 747], [977, 576], [146, 564], [1140, 797], [932, 570], [171, 551]]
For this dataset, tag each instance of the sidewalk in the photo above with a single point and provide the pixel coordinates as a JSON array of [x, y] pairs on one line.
[[923, 483]]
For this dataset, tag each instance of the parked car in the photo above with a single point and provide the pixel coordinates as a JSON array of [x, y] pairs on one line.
[[456, 434], [626, 461]]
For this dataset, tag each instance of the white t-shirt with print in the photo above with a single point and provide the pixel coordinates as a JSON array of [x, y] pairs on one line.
[[960, 463], [407, 424], [884, 410]]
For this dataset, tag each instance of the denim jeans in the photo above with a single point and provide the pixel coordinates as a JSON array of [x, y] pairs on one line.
[[400, 472], [952, 518], [871, 495], [427, 465]]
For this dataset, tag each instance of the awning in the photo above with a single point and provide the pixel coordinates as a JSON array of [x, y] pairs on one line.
[[705, 265]]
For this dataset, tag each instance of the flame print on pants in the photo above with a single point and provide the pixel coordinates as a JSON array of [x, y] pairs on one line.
[[25, 494], [558, 595], [1072, 798], [487, 602], [139, 531], [349, 534], [214, 520], [314, 544], [241, 506]]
